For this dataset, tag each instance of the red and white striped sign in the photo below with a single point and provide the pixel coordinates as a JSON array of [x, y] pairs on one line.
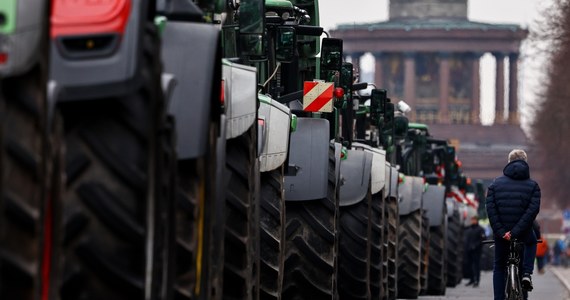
[[318, 96]]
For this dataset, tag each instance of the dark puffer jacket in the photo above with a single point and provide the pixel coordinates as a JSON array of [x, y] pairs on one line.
[[513, 201]]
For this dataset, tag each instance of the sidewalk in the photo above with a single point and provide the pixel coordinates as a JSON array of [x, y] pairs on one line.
[[563, 275], [552, 285]]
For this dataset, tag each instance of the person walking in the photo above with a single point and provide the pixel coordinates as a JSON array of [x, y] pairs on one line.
[[512, 204], [541, 248], [474, 237]]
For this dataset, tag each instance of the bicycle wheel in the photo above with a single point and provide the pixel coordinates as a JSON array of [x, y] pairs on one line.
[[513, 289]]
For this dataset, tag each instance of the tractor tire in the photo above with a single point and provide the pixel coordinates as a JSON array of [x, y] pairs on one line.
[[195, 208], [354, 250], [241, 245], [26, 206], [425, 253], [116, 199], [437, 278], [272, 234], [311, 244], [454, 255], [410, 260], [378, 276], [392, 225]]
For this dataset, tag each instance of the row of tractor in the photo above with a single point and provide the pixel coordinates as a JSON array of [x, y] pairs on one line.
[[211, 149]]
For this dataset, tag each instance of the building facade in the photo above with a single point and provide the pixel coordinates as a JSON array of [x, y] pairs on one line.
[[428, 54]]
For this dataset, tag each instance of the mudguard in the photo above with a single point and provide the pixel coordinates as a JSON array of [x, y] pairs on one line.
[[355, 171], [240, 97], [434, 204], [309, 158], [378, 179], [191, 99], [393, 183], [21, 34], [275, 134], [112, 35], [410, 192]]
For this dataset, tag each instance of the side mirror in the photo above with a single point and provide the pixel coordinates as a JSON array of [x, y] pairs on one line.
[[331, 56], [377, 106], [400, 126], [285, 44]]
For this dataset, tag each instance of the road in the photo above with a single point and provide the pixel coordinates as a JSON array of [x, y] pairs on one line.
[[554, 284]]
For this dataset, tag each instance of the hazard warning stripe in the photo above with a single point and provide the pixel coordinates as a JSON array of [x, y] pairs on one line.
[[321, 96]]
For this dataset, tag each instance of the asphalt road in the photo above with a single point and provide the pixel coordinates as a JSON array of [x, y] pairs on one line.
[[548, 286]]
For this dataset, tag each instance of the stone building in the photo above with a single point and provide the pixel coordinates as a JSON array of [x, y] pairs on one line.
[[428, 54]]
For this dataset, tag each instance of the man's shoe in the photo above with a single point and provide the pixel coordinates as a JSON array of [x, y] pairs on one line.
[[469, 283], [476, 285], [527, 283]]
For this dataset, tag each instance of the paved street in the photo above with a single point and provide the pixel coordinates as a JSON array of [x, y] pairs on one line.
[[553, 285]]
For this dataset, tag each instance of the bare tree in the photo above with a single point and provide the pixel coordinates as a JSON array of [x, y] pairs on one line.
[[551, 126]]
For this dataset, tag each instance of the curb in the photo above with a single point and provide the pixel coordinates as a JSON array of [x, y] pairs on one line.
[[565, 281]]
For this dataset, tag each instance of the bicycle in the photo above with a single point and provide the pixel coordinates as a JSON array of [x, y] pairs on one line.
[[513, 287]]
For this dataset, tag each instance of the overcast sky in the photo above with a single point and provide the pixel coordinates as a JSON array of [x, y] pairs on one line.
[[522, 12]]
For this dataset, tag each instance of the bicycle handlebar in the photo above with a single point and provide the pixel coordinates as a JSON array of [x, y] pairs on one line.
[[514, 240]]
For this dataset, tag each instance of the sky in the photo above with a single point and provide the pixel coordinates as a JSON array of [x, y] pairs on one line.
[[522, 12]]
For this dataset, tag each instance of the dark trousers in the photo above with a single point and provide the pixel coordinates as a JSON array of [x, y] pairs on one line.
[[501, 257], [475, 265], [540, 262]]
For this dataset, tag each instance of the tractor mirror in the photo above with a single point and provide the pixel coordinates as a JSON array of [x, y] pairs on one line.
[[377, 106], [331, 54], [285, 44], [400, 126]]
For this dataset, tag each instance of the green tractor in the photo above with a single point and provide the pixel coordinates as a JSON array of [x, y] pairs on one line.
[[113, 235], [30, 174]]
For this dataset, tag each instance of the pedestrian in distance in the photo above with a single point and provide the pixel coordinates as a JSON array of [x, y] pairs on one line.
[[512, 203], [474, 237], [541, 249]]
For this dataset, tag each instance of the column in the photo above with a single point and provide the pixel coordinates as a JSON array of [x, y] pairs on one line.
[[500, 88], [355, 57], [378, 70], [475, 90], [513, 88], [410, 83], [444, 88]]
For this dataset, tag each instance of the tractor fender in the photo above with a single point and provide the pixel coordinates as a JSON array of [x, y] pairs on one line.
[[240, 97], [410, 192], [392, 176], [103, 73], [275, 133], [168, 82], [21, 34], [191, 99], [355, 170], [434, 204], [308, 160], [378, 173]]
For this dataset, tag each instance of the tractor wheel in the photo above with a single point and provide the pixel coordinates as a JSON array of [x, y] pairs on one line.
[[410, 259], [454, 255], [437, 259], [116, 198], [425, 253], [241, 245], [378, 276], [26, 206], [272, 234], [354, 250], [195, 206], [311, 244], [392, 225]]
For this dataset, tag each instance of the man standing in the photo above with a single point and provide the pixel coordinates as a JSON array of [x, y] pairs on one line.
[[474, 237], [513, 202]]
